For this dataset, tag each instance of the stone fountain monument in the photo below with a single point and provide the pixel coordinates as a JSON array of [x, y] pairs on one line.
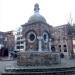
[[38, 44], [39, 51]]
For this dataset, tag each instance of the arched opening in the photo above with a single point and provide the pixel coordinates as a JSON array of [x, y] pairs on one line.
[[53, 48], [65, 48], [45, 37], [59, 48], [31, 36]]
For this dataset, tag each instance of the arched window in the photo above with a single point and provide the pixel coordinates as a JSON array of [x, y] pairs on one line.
[[60, 48], [45, 37], [31, 36], [53, 48], [65, 48]]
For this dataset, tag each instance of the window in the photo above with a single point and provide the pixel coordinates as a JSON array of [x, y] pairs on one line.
[[18, 38], [18, 47], [53, 48], [60, 48], [18, 42], [64, 45], [31, 37], [65, 48], [21, 47], [45, 37], [22, 42]]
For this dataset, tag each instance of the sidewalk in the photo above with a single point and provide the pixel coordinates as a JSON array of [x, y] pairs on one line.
[[6, 58]]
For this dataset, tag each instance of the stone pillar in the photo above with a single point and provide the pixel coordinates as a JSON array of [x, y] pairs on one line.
[[50, 45], [39, 43]]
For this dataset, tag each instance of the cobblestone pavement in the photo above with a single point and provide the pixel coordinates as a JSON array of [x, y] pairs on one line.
[[64, 63]]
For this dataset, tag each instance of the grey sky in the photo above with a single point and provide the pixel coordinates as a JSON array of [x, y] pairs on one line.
[[14, 13]]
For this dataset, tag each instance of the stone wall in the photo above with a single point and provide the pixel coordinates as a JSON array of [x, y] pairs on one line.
[[38, 58]]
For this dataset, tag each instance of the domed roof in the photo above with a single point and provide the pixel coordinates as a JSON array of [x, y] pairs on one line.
[[36, 17]]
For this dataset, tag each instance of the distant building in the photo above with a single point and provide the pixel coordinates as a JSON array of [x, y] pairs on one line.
[[65, 39], [7, 41], [60, 36], [10, 40], [19, 40]]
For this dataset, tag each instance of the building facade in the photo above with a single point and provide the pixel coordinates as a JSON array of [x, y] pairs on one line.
[[64, 39], [7, 41], [19, 40], [10, 40]]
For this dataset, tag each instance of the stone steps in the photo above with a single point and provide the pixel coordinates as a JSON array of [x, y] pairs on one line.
[[39, 73], [42, 71]]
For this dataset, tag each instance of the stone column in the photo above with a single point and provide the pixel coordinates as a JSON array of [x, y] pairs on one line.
[[39, 43], [50, 45]]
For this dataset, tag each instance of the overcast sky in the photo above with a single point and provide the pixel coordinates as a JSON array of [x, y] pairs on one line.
[[14, 13]]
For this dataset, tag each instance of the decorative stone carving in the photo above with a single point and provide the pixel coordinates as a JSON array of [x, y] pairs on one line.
[[38, 58]]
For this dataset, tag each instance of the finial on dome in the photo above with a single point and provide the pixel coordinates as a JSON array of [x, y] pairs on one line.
[[36, 7]]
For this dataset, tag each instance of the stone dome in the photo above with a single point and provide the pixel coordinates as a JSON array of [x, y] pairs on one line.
[[36, 17]]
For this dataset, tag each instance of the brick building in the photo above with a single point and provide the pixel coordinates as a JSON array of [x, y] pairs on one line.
[[7, 41], [64, 39], [10, 40]]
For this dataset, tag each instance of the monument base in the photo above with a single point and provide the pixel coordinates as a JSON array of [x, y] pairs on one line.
[[41, 68], [38, 58], [34, 63]]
